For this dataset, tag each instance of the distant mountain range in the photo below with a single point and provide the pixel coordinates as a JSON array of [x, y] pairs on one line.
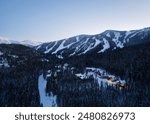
[[25, 42], [82, 44]]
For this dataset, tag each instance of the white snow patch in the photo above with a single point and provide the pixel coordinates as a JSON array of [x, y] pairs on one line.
[[93, 38], [135, 33], [77, 39], [49, 73], [132, 34], [91, 46], [6, 64], [65, 66], [14, 56], [126, 35], [108, 35], [48, 50], [97, 42], [105, 46], [29, 43], [100, 76], [44, 60], [60, 57], [116, 40], [61, 46], [4, 40], [1, 53], [38, 47], [114, 48], [87, 48], [81, 76], [77, 48], [45, 100]]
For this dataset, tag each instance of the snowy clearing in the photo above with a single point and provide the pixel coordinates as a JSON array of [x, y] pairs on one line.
[[45, 100]]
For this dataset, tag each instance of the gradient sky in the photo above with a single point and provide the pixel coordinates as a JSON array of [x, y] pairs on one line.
[[49, 20]]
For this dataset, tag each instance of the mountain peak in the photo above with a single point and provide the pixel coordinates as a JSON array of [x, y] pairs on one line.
[[83, 44]]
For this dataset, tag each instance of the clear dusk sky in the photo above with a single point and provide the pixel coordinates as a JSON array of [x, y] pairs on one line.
[[49, 20]]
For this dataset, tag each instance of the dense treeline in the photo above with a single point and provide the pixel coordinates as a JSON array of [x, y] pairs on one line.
[[132, 64], [72, 91], [133, 59], [19, 82]]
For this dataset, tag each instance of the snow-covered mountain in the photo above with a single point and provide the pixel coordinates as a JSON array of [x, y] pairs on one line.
[[108, 40], [25, 42]]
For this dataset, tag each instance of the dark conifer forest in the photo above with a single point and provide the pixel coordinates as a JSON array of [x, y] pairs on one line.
[[114, 78]]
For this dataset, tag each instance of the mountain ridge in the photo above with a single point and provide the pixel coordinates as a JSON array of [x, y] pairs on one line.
[[28, 43], [82, 44]]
